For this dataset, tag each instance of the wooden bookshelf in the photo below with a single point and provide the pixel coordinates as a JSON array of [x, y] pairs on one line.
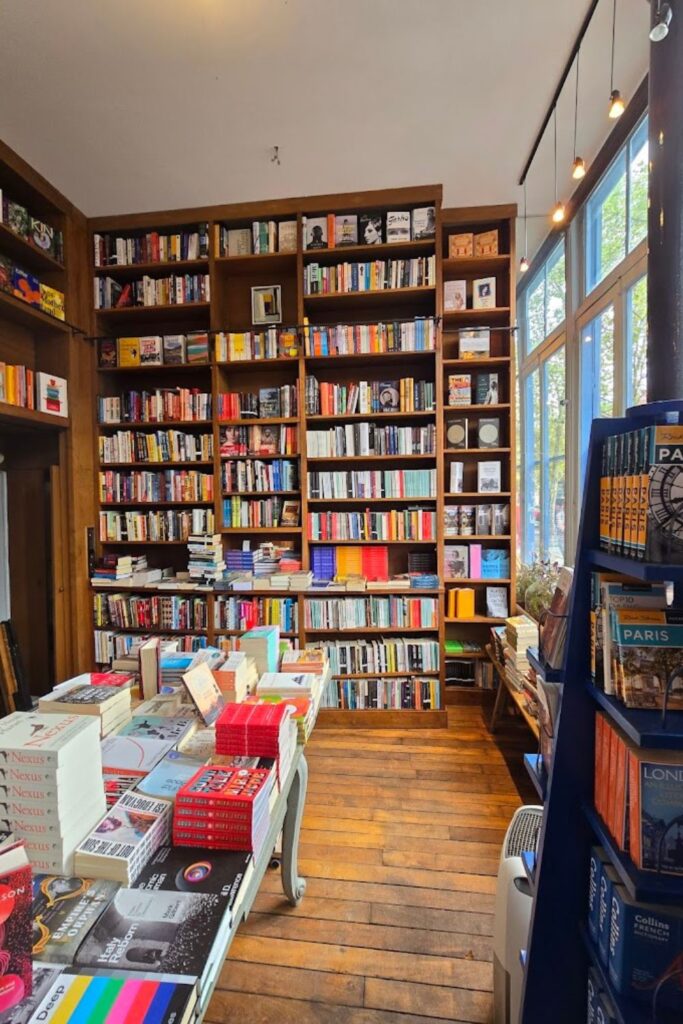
[[232, 278], [500, 360]]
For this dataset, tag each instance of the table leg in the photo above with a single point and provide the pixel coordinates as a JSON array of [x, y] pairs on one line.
[[294, 886], [499, 705]]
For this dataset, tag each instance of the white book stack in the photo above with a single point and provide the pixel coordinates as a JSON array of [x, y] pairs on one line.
[[125, 839], [109, 705], [47, 799], [288, 684]]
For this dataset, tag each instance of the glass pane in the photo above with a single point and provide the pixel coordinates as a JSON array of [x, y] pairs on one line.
[[555, 290], [638, 173], [532, 468], [606, 224], [554, 437], [597, 374], [606, 332], [516, 529], [636, 343], [535, 313]]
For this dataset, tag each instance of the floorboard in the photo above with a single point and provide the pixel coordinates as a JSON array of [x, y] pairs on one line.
[[399, 845]]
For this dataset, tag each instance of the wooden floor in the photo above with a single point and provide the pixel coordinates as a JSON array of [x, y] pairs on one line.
[[400, 847]]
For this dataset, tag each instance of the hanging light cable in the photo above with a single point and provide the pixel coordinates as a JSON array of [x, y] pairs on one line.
[[616, 102], [559, 211], [579, 165], [524, 262]]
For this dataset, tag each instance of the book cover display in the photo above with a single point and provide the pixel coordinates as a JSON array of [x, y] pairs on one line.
[[64, 910], [117, 997]]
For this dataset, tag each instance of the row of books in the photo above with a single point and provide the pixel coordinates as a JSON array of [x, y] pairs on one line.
[[641, 474], [489, 477], [486, 432], [636, 642], [174, 290], [115, 567], [264, 560], [19, 385], [482, 294], [466, 244], [25, 286], [21, 222], [206, 562], [477, 673], [474, 561], [154, 350], [373, 612], [245, 346], [169, 525], [364, 657], [378, 275], [111, 645], [258, 439], [112, 250], [477, 520], [396, 524], [339, 562], [418, 335], [387, 694], [371, 439], [404, 395], [372, 483], [247, 612], [340, 229], [155, 446], [143, 486], [464, 603], [163, 405], [249, 513], [262, 404], [264, 236], [478, 389], [170, 611], [252, 475]]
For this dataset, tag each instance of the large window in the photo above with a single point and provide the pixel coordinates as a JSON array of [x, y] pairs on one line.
[[616, 212], [583, 347], [545, 300]]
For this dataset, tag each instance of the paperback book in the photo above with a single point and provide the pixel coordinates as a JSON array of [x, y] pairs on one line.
[[118, 996], [64, 910]]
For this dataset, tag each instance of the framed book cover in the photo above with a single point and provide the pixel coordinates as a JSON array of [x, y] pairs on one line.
[[52, 394]]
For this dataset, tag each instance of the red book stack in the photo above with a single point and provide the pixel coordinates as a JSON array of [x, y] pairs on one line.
[[258, 730], [224, 809]]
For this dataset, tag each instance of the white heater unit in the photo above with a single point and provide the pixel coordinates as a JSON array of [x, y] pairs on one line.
[[514, 899]]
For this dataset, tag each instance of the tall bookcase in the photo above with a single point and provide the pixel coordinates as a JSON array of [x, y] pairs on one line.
[[500, 320], [229, 310], [47, 458]]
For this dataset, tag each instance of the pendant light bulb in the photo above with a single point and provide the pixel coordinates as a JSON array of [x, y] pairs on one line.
[[578, 168], [660, 29], [559, 213], [616, 105], [523, 265]]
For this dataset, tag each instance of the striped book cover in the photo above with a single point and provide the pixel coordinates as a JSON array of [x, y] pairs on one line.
[[122, 998]]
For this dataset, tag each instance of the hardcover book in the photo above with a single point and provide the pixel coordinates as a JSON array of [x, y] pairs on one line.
[[25, 286], [484, 293], [120, 997], [124, 840], [240, 242], [133, 754], [174, 349], [64, 910], [51, 393], [487, 389], [151, 350], [346, 229], [461, 246], [52, 301], [315, 233], [155, 930], [157, 727], [488, 477], [454, 296], [43, 236], [18, 220], [176, 869], [286, 236], [205, 692], [474, 343], [107, 352], [488, 432], [129, 351], [370, 228], [456, 561], [486, 243], [456, 433], [398, 226], [423, 222]]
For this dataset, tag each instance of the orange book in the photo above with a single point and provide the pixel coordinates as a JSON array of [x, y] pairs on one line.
[[634, 807], [619, 823], [464, 603], [330, 231], [597, 772], [607, 774]]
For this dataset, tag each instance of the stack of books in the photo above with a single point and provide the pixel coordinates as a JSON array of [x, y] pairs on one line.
[[262, 644], [258, 730], [48, 800], [121, 844], [205, 557], [224, 808], [110, 705], [521, 632], [288, 684], [307, 659], [118, 567], [236, 677]]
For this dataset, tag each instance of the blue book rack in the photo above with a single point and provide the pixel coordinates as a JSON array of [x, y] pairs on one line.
[[559, 951]]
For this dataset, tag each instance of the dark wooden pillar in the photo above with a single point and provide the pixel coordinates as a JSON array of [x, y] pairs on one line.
[[665, 217]]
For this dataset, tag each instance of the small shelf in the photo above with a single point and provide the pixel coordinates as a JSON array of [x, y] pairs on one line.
[[643, 727], [385, 250], [372, 297], [478, 580], [367, 458], [371, 501], [475, 407], [239, 632], [484, 361], [476, 536], [650, 571], [25, 315], [465, 316], [550, 675], [374, 630], [536, 771], [371, 592], [111, 505], [644, 886], [376, 416], [28, 255], [155, 465], [476, 451], [389, 543], [387, 675], [260, 529], [478, 494], [156, 368], [155, 267], [18, 416], [249, 365], [475, 264], [153, 630], [464, 656], [171, 311], [157, 425], [261, 457], [255, 262], [484, 620], [134, 543], [247, 421], [256, 494], [349, 359]]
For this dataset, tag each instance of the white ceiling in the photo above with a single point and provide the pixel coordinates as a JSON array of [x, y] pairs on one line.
[[131, 105]]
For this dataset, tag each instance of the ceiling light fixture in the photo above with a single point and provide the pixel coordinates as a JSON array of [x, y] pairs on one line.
[[579, 165], [660, 29], [559, 212], [616, 103], [524, 262]]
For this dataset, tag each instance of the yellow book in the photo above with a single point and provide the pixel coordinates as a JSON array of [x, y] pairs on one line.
[[129, 351], [52, 302], [464, 603]]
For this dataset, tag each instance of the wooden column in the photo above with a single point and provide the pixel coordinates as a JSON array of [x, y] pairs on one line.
[[665, 217]]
